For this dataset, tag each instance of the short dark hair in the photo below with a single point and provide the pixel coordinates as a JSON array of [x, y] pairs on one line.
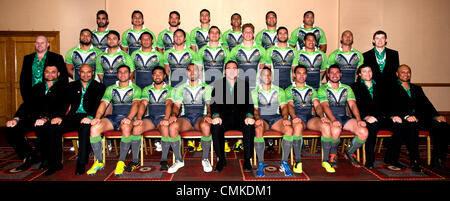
[[307, 12], [204, 9], [273, 12], [146, 32], [248, 25], [114, 32], [266, 68], [137, 11], [358, 71], [102, 12], [184, 33], [230, 61], [237, 15], [174, 12], [334, 66], [85, 29], [298, 67], [212, 28], [280, 28], [309, 34], [124, 66], [377, 33], [159, 68]]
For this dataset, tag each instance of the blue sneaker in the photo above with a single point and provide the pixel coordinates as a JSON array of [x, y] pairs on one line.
[[284, 167], [260, 172]]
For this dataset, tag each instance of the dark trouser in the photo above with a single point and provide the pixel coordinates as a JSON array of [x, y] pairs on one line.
[[439, 132], [70, 123], [232, 123], [373, 129], [408, 132], [15, 136]]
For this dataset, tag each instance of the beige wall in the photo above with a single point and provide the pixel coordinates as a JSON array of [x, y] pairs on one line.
[[418, 29]]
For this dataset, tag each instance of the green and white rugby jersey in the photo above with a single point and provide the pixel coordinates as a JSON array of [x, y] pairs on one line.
[[77, 57], [199, 37], [299, 34], [315, 63], [268, 101], [144, 62], [107, 64], [130, 39], [348, 62], [336, 98], [302, 98], [281, 61], [213, 60], [121, 98], [266, 38], [99, 39], [231, 38], [157, 99], [178, 60], [165, 40], [193, 98], [249, 60]]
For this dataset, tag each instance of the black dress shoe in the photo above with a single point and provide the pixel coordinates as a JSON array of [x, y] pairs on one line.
[[81, 169], [29, 161], [436, 163], [219, 166], [398, 165], [52, 170], [369, 165], [247, 166], [43, 166], [415, 166]]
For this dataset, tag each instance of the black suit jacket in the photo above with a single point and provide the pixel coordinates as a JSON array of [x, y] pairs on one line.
[[227, 105], [91, 100], [367, 105], [418, 105], [48, 105], [26, 74], [388, 76]]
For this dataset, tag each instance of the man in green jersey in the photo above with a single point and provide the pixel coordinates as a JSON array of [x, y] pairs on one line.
[[166, 37], [84, 53], [145, 59], [303, 103], [314, 59], [178, 58], [233, 37], [334, 98], [308, 27], [282, 59], [130, 37], [124, 97], [199, 35], [268, 100], [157, 103], [193, 96], [113, 57], [99, 35], [268, 36], [347, 58]]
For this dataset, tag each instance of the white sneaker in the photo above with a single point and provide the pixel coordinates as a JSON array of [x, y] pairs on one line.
[[158, 146], [72, 149], [206, 165], [174, 168]]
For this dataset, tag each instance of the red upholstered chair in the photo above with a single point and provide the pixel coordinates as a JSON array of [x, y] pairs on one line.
[[152, 134], [195, 135], [278, 136], [117, 135], [71, 136], [382, 134], [315, 135]]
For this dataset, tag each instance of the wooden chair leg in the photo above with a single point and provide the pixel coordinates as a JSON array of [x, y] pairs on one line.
[[145, 147], [428, 150], [212, 153], [150, 145], [103, 152], [292, 156], [115, 147], [381, 144], [364, 153], [357, 156], [279, 145], [142, 150], [343, 145], [75, 145], [254, 156], [62, 154]]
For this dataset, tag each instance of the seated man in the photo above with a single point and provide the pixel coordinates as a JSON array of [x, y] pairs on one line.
[[194, 98], [35, 116], [268, 99], [124, 96], [334, 98], [157, 102], [303, 102], [83, 96]]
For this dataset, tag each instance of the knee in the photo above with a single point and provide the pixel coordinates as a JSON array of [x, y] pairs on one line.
[[298, 126], [288, 130], [204, 126], [325, 127]]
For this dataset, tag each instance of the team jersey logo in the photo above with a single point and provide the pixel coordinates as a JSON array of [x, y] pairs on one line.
[[301, 35], [79, 58], [99, 41], [302, 98], [248, 57], [313, 62], [347, 61], [142, 62], [234, 39], [213, 58], [201, 38], [109, 66], [133, 41], [167, 41], [268, 39], [267, 100], [194, 96], [282, 58], [337, 99], [179, 60], [158, 97], [122, 97]]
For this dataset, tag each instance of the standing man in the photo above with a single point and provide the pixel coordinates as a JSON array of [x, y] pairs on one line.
[[124, 97], [166, 37], [83, 97], [84, 53], [199, 35], [130, 37], [145, 59], [157, 102], [99, 35], [232, 109], [33, 67], [303, 103], [334, 98], [194, 96], [269, 100], [297, 36], [111, 59], [268, 36], [178, 58], [383, 60], [282, 59], [347, 58], [233, 37], [314, 59]]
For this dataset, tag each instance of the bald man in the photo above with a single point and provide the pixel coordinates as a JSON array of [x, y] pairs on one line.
[[33, 66]]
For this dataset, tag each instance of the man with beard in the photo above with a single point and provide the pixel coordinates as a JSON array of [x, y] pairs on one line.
[[281, 58], [194, 97], [233, 37], [178, 58], [268, 36], [99, 35], [130, 37], [113, 57], [84, 53], [297, 36], [166, 37], [157, 102], [199, 35], [145, 59], [347, 58], [124, 97], [314, 59], [334, 98]]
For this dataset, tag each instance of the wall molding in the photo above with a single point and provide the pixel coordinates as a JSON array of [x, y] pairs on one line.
[[433, 84]]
